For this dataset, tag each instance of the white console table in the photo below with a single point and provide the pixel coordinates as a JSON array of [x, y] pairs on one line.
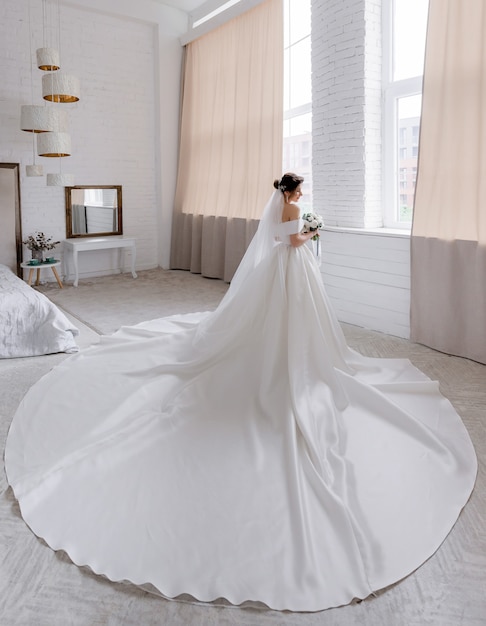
[[83, 244]]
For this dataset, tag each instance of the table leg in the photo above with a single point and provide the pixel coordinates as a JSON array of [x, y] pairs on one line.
[[66, 265], [37, 281], [134, 254], [57, 277], [31, 276], [75, 262]]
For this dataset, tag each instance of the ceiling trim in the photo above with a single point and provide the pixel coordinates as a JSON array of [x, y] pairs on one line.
[[219, 19]]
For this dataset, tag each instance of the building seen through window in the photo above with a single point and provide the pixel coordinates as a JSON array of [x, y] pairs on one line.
[[408, 133]]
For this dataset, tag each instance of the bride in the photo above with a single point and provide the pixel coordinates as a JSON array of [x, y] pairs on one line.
[[247, 453]]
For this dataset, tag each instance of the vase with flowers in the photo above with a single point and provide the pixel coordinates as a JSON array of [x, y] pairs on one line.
[[37, 243]]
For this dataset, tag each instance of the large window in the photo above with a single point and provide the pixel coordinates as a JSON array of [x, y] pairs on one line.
[[404, 30], [297, 132]]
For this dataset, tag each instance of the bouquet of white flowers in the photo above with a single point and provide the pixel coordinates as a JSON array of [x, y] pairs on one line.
[[38, 241], [312, 222]]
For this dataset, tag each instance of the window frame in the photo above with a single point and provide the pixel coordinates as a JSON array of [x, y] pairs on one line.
[[392, 91], [297, 111]]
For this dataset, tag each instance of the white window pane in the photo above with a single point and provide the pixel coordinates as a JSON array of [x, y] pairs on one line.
[[300, 85], [286, 128], [404, 44], [301, 125], [410, 24], [298, 153], [299, 19], [408, 121], [297, 130], [286, 80], [410, 107]]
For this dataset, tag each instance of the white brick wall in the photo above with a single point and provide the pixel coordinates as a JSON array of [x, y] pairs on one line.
[[338, 110], [373, 214], [116, 127], [346, 75], [366, 275]]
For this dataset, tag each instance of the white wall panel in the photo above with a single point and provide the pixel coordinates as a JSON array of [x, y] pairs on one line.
[[367, 278]]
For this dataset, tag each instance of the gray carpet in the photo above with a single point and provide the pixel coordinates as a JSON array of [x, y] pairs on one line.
[[39, 587], [108, 302]]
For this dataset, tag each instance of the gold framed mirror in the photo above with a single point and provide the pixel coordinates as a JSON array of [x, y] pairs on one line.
[[93, 211]]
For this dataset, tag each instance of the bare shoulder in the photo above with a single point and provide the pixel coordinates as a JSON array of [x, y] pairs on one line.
[[290, 212]]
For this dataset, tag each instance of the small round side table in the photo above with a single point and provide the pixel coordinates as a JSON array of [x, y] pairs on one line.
[[41, 266]]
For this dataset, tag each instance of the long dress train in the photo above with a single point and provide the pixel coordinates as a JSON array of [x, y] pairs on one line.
[[245, 454]]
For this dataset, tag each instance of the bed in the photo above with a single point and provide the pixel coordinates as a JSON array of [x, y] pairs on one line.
[[30, 324]]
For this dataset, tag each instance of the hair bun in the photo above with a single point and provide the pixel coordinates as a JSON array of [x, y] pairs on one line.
[[288, 182]]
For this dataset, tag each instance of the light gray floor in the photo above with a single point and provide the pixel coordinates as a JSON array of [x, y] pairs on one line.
[[39, 587]]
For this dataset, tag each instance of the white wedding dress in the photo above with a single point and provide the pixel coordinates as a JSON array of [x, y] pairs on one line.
[[245, 454]]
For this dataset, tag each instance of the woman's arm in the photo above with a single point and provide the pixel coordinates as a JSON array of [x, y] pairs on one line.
[[292, 212], [299, 239]]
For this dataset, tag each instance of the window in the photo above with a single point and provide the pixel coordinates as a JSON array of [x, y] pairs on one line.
[[404, 30], [297, 131]]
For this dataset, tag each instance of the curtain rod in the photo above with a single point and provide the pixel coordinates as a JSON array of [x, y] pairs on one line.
[[231, 12]]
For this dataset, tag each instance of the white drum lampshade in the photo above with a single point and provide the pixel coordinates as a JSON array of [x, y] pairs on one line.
[[48, 59], [41, 119], [34, 170], [54, 144], [60, 180], [60, 87]]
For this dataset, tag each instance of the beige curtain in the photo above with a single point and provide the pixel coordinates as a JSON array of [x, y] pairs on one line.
[[448, 305], [231, 140]]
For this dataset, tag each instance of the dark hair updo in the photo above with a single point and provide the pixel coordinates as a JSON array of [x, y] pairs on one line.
[[288, 182]]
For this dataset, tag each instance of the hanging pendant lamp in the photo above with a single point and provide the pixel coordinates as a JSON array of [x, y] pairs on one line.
[[48, 124], [60, 180], [60, 87], [41, 119], [34, 170], [54, 144], [48, 59]]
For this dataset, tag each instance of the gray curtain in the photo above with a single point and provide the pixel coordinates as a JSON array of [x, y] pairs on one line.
[[448, 272], [209, 245]]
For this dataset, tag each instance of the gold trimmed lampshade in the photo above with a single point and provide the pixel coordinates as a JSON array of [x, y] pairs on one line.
[[54, 144], [48, 59], [60, 87], [60, 180], [41, 119]]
